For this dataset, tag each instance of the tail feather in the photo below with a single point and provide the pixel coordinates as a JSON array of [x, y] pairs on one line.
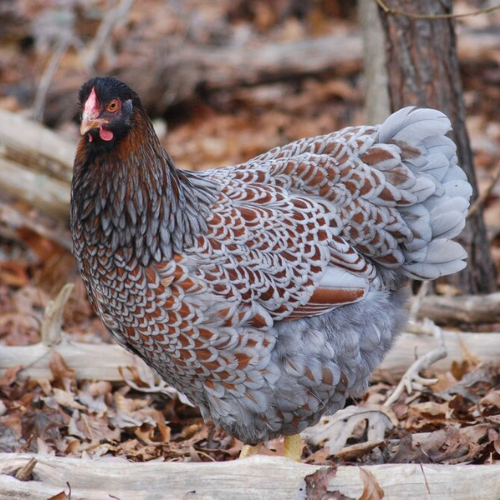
[[443, 257], [442, 191], [414, 125]]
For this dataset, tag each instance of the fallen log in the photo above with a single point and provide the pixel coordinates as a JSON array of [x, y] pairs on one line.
[[36, 165], [43, 192], [188, 71], [34, 146], [255, 477], [465, 309], [108, 360]]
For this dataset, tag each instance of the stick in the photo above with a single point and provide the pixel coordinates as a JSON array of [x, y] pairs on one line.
[[412, 378]]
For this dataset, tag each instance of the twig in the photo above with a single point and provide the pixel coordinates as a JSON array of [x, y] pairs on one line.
[[425, 480], [481, 200], [395, 12], [411, 379], [418, 300], [43, 87], [111, 19], [50, 331], [24, 473]]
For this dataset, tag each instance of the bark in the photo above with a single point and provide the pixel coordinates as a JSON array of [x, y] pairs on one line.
[[377, 103], [423, 70]]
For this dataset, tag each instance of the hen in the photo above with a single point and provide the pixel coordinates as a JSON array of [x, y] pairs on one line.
[[266, 292]]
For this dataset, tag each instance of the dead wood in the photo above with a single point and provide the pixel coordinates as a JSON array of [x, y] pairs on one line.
[[254, 477], [43, 192], [462, 309], [185, 72], [89, 361], [35, 165], [108, 360], [34, 146], [459, 346]]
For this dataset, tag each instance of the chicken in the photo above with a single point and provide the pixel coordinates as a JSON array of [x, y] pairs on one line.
[[266, 292]]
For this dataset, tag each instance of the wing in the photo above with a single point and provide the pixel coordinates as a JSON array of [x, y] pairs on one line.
[[276, 253], [311, 226]]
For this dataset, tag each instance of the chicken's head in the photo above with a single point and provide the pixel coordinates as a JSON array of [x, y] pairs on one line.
[[107, 108]]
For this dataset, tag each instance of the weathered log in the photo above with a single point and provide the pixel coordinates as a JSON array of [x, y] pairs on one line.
[[41, 191], [36, 147], [35, 164], [254, 477], [109, 359], [462, 309], [89, 361]]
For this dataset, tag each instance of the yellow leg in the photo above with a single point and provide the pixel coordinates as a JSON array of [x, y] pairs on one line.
[[293, 447], [248, 450]]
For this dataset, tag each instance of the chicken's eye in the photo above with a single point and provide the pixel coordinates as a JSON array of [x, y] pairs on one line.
[[112, 106]]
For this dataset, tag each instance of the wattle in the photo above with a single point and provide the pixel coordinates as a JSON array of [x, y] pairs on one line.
[[105, 135]]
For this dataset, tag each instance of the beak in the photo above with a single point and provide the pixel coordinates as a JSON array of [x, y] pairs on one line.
[[90, 121]]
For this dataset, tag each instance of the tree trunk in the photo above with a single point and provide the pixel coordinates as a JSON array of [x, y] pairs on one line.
[[423, 70], [377, 104]]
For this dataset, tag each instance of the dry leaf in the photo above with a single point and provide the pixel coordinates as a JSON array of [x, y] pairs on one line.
[[10, 375], [357, 451], [66, 399], [62, 495], [371, 488], [60, 370], [316, 485]]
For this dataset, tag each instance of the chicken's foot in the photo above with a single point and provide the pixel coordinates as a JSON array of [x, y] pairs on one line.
[[293, 447], [249, 450]]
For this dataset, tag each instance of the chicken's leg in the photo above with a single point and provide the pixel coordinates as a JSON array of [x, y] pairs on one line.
[[293, 447], [249, 450]]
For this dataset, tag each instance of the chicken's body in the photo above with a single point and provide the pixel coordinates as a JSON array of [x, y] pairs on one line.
[[269, 291]]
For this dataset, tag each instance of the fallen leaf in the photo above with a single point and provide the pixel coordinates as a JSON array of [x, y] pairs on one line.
[[357, 451], [10, 375], [371, 488], [66, 399], [60, 370], [408, 452], [62, 495], [316, 485]]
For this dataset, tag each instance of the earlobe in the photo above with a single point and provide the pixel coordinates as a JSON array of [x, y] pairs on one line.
[[128, 106]]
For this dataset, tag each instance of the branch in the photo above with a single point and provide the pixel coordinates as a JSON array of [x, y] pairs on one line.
[[112, 18], [412, 378], [47, 76]]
